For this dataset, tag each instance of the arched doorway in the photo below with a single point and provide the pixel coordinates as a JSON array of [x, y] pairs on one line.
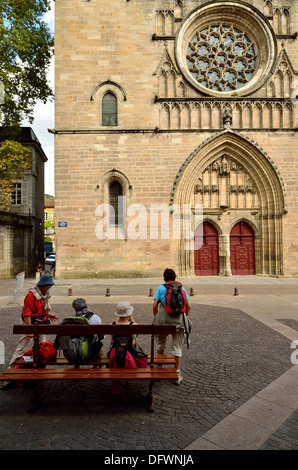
[[242, 247], [232, 178], [206, 257]]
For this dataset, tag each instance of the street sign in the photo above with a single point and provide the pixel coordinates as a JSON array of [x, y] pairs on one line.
[[62, 224]]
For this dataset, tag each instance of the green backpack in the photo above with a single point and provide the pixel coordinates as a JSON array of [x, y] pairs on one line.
[[76, 349]]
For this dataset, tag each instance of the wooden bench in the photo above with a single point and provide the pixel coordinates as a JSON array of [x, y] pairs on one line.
[[38, 372]]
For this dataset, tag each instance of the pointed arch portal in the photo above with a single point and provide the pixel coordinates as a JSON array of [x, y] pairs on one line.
[[237, 183]]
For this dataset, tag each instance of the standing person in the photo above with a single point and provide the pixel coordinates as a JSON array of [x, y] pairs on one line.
[[162, 317], [36, 309]]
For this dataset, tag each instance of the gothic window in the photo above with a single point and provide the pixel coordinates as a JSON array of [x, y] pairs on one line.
[[221, 57], [225, 49], [116, 216], [109, 110]]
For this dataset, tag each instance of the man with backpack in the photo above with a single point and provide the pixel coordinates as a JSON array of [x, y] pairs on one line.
[[80, 349], [170, 303], [80, 307]]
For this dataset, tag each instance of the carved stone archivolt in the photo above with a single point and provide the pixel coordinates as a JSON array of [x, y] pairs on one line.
[[234, 180]]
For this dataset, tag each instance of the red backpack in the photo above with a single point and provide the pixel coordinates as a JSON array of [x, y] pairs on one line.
[[129, 364], [46, 353], [175, 298]]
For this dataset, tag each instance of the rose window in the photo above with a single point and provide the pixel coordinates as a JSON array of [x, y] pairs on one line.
[[221, 58]]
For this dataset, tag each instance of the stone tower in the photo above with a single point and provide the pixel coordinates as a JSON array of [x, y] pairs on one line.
[[176, 137]]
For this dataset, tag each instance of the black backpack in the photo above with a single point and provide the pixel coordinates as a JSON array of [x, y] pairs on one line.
[[122, 344]]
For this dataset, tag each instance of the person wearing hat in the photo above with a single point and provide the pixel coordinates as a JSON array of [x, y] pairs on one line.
[[124, 312], [124, 316], [36, 309]]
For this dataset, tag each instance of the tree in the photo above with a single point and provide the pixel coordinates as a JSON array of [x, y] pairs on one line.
[[26, 48], [14, 160]]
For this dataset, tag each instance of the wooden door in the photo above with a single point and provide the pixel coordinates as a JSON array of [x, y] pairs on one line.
[[242, 246], [206, 257]]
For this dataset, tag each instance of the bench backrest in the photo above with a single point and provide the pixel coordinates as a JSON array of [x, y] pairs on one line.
[[101, 330], [94, 329]]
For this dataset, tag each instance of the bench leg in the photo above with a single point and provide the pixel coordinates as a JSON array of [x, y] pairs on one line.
[[150, 408], [36, 399]]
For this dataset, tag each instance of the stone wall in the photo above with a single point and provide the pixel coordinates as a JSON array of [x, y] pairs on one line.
[[170, 132], [15, 245]]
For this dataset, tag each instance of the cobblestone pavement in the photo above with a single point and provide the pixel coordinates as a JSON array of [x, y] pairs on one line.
[[232, 357]]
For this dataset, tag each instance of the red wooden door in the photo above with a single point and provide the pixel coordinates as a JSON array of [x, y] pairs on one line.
[[206, 257], [242, 246]]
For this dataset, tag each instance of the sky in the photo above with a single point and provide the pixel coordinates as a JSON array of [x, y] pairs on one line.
[[44, 120]]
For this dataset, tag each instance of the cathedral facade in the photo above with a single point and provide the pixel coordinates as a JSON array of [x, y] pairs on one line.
[[176, 138]]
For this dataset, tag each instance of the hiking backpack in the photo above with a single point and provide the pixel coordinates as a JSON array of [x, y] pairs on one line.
[[124, 351], [76, 349], [175, 298]]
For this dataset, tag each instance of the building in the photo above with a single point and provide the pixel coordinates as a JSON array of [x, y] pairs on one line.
[[167, 106], [49, 226], [22, 227]]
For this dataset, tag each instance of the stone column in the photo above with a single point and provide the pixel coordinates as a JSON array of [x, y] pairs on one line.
[[224, 255]]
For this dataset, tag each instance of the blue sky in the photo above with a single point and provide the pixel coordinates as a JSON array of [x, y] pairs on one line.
[[44, 120]]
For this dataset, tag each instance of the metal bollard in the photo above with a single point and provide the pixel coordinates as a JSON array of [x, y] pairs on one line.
[[236, 291], [191, 292], [70, 291], [150, 292], [108, 292]]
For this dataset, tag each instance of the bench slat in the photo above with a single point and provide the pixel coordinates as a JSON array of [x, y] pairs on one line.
[[94, 329], [90, 374], [159, 359]]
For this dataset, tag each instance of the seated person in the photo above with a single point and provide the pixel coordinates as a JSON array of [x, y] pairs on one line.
[[80, 307], [78, 349]]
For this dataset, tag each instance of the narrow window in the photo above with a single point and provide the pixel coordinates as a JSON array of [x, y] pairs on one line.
[[109, 110], [116, 203], [17, 194]]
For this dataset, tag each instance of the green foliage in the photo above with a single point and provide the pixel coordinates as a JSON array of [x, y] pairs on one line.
[[14, 160], [49, 223], [26, 47]]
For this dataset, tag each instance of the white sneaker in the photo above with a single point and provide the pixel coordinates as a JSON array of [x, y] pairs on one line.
[[179, 380]]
